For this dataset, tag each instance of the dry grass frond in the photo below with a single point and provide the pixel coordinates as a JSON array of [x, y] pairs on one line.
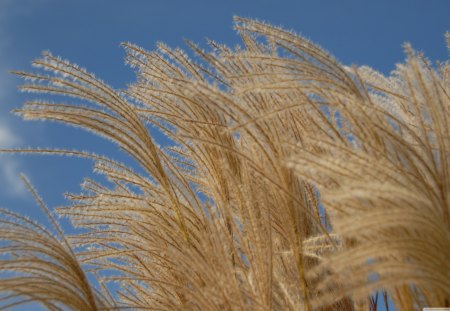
[[387, 185], [290, 182], [38, 266]]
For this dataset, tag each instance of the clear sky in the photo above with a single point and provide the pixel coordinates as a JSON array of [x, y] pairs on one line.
[[88, 32]]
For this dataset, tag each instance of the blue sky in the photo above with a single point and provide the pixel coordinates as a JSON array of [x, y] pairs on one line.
[[88, 32]]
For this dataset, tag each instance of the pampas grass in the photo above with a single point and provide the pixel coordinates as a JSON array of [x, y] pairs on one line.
[[291, 182]]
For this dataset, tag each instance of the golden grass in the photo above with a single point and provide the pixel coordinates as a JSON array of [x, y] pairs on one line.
[[229, 217]]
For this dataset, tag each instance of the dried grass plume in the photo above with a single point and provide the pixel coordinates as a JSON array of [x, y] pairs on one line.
[[291, 182]]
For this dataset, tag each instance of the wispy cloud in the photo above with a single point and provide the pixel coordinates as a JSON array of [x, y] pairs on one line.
[[10, 166], [7, 138]]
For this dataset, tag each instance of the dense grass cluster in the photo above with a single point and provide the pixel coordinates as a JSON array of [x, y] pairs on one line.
[[292, 183]]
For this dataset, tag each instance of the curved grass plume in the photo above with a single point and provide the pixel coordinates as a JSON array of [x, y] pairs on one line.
[[291, 182]]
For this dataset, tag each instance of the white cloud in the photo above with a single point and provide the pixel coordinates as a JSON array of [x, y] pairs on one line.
[[13, 185], [10, 167], [7, 138]]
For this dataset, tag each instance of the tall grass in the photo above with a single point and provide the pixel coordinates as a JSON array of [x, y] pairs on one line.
[[292, 183]]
